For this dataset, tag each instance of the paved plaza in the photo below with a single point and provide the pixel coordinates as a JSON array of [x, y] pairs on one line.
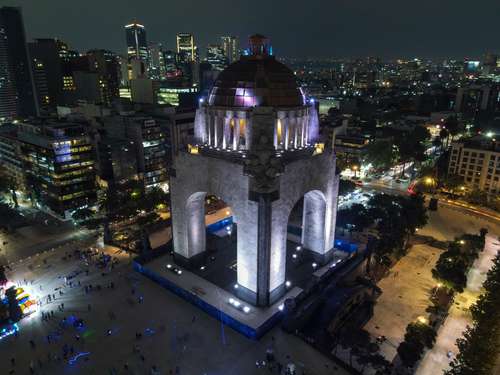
[[173, 335], [406, 289], [405, 296]]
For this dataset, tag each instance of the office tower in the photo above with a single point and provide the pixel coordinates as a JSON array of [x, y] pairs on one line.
[[186, 47], [8, 102], [107, 65], [137, 45], [171, 69], [216, 57], [17, 97], [157, 69], [57, 161], [231, 48], [48, 59], [41, 86], [69, 59]]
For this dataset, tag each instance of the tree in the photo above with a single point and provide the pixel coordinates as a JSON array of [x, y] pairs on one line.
[[452, 182], [3, 277], [380, 154], [354, 217], [82, 214], [410, 352], [346, 187], [477, 196], [421, 332], [417, 337], [478, 346]]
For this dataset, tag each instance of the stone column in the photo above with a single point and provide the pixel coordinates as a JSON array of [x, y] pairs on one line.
[[248, 132], [303, 131], [275, 137], [236, 133], [286, 132], [295, 131], [210, 121], [216, 130], [226, 132], [264, 249]]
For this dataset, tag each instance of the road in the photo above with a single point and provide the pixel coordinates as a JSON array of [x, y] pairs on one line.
[[436, 361]]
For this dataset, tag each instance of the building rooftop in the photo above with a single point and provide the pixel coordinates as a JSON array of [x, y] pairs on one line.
[[481, 142]]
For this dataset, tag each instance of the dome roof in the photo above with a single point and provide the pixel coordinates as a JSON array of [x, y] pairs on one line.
[[256, 80]]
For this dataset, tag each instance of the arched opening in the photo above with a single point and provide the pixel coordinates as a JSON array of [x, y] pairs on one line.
[[212, 239], [305, 242]]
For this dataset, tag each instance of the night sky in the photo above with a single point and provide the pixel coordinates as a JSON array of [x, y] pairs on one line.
[[315, 28]]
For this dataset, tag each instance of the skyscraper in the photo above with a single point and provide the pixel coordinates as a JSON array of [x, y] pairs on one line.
[[231, 48], [157, 69], [216, 57], [45, 56], [17, 97], [137, 45], [186, 47]]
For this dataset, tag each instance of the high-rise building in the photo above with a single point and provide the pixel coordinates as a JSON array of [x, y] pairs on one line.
[[157, 68], [56, 160], [137, 45], [17, 96], [107, 65], [477, 161], [231, 48], [185, 47], [48, 60], [216, 57], [171, 69]]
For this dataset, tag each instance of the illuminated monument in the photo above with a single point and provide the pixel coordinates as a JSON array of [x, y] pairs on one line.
[[256, 146]]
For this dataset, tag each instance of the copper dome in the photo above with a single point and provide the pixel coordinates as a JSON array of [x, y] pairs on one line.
[[256, 80]]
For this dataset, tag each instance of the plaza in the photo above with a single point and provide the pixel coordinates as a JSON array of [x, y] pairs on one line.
[[174, 332]]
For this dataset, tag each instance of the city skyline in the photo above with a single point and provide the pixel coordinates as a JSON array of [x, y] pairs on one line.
[[326, 30]]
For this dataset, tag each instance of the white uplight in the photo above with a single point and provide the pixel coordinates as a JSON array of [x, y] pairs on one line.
[[315, 265], [281, 307], [288, 284]]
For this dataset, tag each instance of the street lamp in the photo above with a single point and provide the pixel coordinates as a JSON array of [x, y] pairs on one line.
[[355, 169], [422, 320]]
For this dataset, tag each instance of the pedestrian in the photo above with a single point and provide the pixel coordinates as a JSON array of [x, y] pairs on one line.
[[13, 361]]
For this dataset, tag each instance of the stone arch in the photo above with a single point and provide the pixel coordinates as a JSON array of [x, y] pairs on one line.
[[313, 221]]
